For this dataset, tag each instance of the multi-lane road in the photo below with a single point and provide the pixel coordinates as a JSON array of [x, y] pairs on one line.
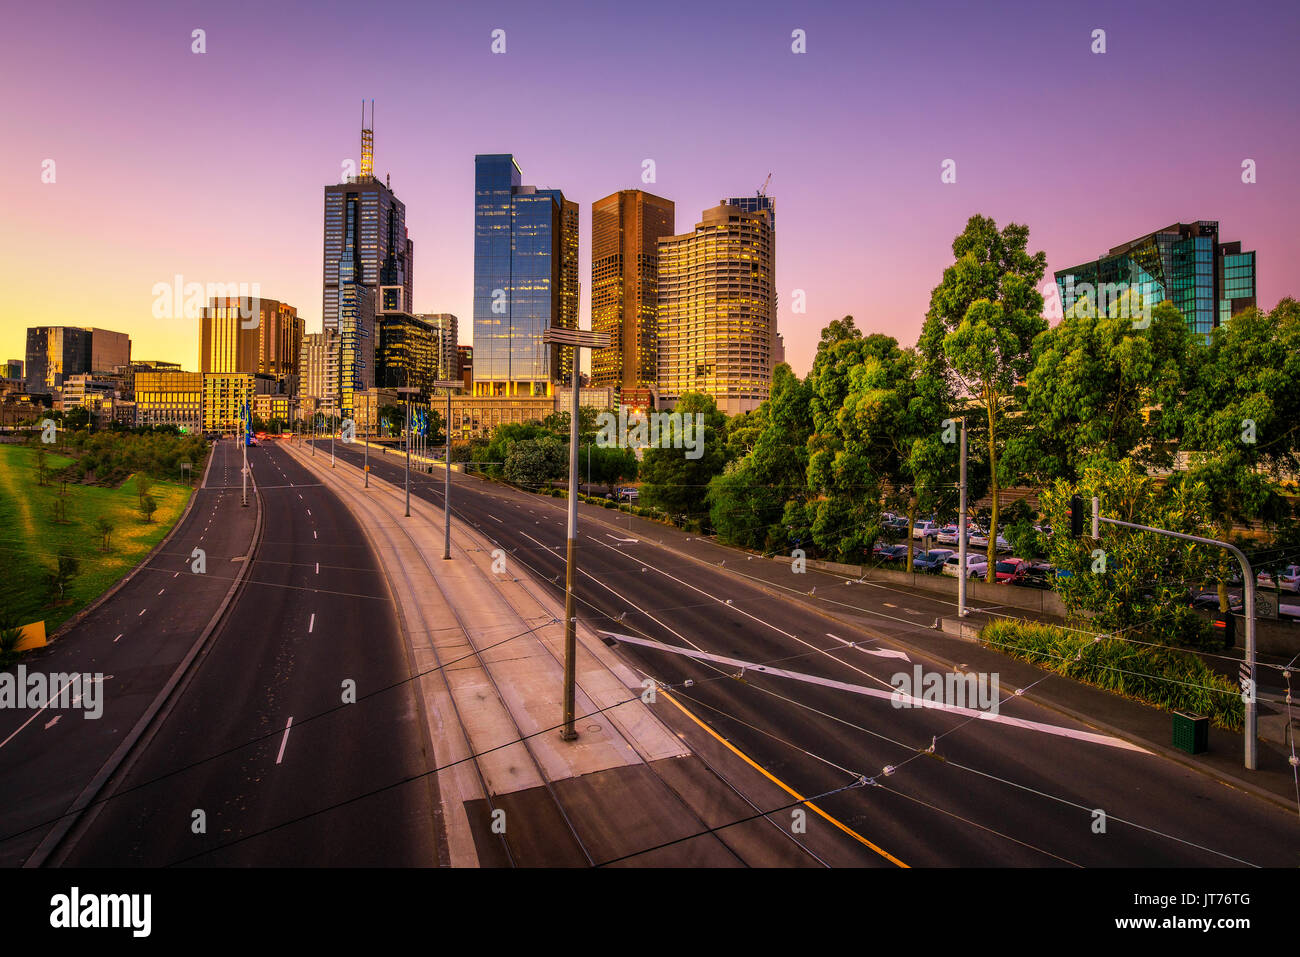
[[1027, 787]]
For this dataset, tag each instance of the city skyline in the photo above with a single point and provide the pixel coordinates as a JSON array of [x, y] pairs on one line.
[[871, 252]]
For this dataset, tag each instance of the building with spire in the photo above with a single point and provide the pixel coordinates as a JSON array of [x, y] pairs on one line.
[[366, 246]]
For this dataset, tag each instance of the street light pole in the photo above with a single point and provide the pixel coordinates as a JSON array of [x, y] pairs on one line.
[[1250, 745], [366, 445], [406, 390], [447, 384], [578, 339], [961, 530]]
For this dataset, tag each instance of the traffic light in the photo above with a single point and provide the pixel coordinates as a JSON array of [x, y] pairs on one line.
[[1225, 623], [1076, 516]]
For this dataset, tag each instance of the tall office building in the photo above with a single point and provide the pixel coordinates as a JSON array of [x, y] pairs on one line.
[[14, 369], [757, 203], [1185, 263], [525, 279], [625, 230], [445, 327], [56, 352], [365, 234], [269, 345], [717, 310]]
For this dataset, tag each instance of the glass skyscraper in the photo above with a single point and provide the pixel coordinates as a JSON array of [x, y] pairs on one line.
[[525, 278], [1184, 263]]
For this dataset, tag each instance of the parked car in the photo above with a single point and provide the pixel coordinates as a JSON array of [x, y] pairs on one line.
[[1037, 575], [976, 566], [930, 562], [1009, 570], [893, 555], [628, 494], [922, 529], [1288, 579], [1210, 600]]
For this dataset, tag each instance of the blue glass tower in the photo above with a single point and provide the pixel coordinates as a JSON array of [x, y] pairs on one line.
[[523, 282]]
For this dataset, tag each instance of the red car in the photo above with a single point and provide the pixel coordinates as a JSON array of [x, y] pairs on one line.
[[1010, 569]]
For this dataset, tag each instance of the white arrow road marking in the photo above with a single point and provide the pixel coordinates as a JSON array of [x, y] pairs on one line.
[[617, 539], [878, 652], [285, 740], [886, 695]]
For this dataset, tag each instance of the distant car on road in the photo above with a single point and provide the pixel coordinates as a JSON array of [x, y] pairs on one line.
[[932, 561], [976, 566]]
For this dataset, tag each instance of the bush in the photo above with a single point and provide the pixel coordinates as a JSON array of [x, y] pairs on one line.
[[1165, 677], [608, 503]]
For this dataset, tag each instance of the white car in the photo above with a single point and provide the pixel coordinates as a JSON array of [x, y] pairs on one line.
[[922, 529], [1288, 579], [976, 565]]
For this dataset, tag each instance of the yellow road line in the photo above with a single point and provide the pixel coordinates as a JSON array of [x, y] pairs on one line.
[[778, 782]]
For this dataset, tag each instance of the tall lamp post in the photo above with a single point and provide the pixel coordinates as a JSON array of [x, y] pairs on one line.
[[578, 339], [365, 446], [449, 385], [408, 390]]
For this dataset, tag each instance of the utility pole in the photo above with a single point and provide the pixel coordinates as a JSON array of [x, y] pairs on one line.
[[366, 445], [1250, 745], [406, 390], [332, 431], [449, 385], [579, 339], [961, 529]]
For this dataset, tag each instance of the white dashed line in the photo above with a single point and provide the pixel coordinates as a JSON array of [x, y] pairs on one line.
[[141, 613], [115, 639], [285, 740], [311, 624], [161, 590], [314, 535]]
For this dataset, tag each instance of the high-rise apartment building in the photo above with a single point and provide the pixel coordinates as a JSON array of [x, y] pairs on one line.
[[227, 397], [525, 278], [267, 342], [717, 310], [445, 327], [1185, 263], [625, 230], [316, 351]]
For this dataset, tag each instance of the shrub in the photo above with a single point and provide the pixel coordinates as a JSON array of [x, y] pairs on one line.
[[1167, 678]]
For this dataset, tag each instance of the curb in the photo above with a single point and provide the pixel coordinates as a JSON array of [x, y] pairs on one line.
[[69, 818]]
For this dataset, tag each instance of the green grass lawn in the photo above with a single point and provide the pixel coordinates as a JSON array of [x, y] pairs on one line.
[[31, 538]]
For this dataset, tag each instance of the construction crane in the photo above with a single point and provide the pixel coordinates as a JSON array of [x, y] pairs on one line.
[[763, 190]]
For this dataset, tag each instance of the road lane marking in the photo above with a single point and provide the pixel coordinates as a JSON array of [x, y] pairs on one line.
[[311, 624], [115, 639], [285, 740], [902, 699], [495, 519], [54, 697], [318, 568], [878, 652], [141, 613], [161, 590], [313, 534], [778, 782]]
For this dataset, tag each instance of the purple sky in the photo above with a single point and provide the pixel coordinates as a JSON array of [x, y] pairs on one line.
[[211, 166]]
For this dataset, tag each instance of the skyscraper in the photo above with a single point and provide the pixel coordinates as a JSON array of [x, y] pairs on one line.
[[717, 310], [1185, 263], [56, 352], [317, 349], [365, 233], [525, 278], [625, 229]]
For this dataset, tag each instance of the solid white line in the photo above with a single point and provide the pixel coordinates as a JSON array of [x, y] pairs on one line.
[[311, 624], [908, 700], [283, 741]]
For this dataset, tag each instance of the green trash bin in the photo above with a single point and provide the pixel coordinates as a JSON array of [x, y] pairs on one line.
[[1191, 732]]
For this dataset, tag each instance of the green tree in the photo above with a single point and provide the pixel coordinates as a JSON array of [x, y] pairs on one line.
[[147, 506], [980, 329], [747, 501], [1132, 584], [57, 580], [104, 526], [534, 462], [673, 481], [42, 466], [1240, 420], [1096, 389]]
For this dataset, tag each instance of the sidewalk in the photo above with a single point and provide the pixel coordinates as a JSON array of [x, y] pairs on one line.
[[491, 673]]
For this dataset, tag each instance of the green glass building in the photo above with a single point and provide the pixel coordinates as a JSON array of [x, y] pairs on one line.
[[1185, 263]]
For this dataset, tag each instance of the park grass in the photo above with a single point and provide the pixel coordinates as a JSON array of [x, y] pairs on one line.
[[31, 539]]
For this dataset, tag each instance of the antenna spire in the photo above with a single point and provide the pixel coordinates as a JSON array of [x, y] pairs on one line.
[[367, 143]]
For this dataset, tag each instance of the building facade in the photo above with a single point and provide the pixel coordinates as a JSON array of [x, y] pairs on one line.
[[446, 328], [625, 231], [108, 350], [315, 352], [53, 354], [1208, 281], [226, 395], [169, 398], [717, 310], [525, 279]]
